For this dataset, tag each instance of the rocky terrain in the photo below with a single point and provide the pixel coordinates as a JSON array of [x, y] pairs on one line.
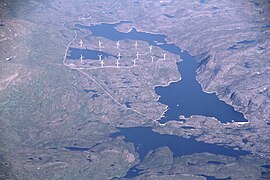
[[53, 128]]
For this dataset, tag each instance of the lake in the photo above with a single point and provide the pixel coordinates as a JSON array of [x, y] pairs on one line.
[[184, 97], [146, 140]]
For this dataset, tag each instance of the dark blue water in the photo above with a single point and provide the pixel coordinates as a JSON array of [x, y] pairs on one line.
[[87, 91], [214, 178], [168, 16], [238, 44], [73, 148], [76, 53], [128, 104], [133, 172], [184, 97], [247, 42], [108, 31], [145, 140], [187, 127], [265, 175], [94, 96], [267, 26], [234, 47], [215, 162], [266, 166]]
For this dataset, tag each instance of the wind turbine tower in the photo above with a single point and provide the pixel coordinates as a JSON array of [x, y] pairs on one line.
[[81, 59], [137, 56], [99, 44], [102, 63], [100, 57], [150, 48], [164, 56], [117, 44], [119, 56], [152, 59], [136, 45], [81, 43]]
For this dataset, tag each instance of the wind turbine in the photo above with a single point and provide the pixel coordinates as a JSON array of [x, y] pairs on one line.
[[102, 63], [136, 45], [150, 48], [117, 63], [164, 56], [99, 44], [100, 57], [137, 56], [81, 59], [81, 43], [119, 56], [152, 59], [117, 44]]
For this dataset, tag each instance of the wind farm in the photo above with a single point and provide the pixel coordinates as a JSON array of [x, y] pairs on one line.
[[130, 55]]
